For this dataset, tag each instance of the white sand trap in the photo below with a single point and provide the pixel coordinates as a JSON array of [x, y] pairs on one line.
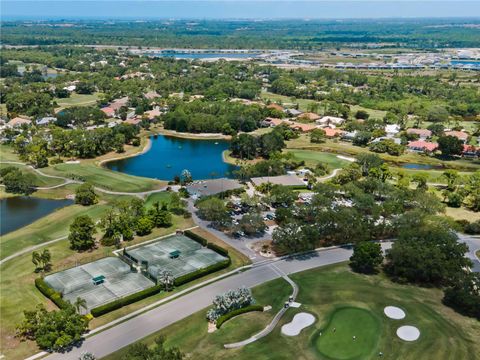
[[394, 312], [408, 333], [299, 322]]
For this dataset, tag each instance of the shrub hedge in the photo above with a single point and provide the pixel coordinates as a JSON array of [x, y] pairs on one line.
[[50, 293], [201, 240], [236, 312], [217, 249], [202, 272], [127, 300]]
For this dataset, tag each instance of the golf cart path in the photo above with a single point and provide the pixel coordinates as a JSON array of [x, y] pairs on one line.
[[67, 181]]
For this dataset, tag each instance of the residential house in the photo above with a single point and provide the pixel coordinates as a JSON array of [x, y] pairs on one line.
[[310, 116], [293, 112], [272, 122], [422, 133], [329, 132], [392, 130], [133, 121], [422, 146], [330, 120], [460, 135], [349, 135], [18, 121], [108, 111], [151, 95], [470, 151], [275, 107], [45, 120], [118, 103], [152, 114], [303, 127]]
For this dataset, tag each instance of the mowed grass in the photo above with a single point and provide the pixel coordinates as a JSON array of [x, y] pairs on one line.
[[103, 177], [18, 292], [336, 146], [445, 334], [351, 333], [38, 180], [50, 227], [312, 158], [78, 100], [7, 154]]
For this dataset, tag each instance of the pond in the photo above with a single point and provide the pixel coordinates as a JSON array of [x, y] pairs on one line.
[[418, 166], [19, 211], [169, 156]]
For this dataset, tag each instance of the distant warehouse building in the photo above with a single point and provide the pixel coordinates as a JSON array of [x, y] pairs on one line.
[[285, 180], [202, 188]]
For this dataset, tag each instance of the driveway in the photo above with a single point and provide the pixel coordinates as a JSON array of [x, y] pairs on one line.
[[241, 244]]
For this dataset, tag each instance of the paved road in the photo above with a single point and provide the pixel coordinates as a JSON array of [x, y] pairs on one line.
[[143, 325], [473, 243]]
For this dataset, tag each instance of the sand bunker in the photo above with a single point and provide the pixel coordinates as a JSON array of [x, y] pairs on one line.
[[408, 333], [394, 312], [299, 322]]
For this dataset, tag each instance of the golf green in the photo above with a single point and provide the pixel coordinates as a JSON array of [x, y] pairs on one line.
[[351, 333]]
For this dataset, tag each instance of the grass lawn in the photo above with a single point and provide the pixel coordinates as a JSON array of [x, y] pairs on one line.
[[444, 333], [312, 158], [17, 289], [462, 214], [336, 340], [38, 180], [47, 228], [103, 177], [346, 148], [7, 154], [78, 100], [374, 114]]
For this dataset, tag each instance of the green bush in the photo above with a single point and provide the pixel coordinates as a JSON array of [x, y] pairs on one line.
[[217, 249], [202, 241], [202, 272], [127, 300], [50, 293], [236, 312], [106, 308]]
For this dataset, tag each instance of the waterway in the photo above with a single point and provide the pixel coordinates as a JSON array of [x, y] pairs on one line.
[[169, 156], [19, 211]]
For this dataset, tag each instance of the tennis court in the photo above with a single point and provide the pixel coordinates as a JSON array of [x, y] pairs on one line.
[[113, 276], [178, 254]]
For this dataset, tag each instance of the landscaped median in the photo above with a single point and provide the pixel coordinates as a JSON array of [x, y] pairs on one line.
[[237, 312]]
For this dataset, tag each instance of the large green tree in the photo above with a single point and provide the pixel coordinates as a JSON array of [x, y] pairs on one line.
[[367, 257], [81, 233], [428, 254], [85, 195]]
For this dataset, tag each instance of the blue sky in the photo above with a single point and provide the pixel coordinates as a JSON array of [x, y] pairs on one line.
[[222, 9]]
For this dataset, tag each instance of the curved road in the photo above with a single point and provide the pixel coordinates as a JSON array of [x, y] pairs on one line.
[[130, 331]]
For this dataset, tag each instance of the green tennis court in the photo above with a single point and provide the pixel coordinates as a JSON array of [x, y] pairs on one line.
[[98, 282], [178, 254]]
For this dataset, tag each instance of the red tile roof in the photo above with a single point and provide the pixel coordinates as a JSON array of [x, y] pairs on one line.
[[423, 145], [108, 111], [458, 134], [421, 132], [303, 127], [329, 132]]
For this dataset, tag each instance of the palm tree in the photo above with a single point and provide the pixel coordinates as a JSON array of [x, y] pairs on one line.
[[45, 259], [80, 303], [36, 259]]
